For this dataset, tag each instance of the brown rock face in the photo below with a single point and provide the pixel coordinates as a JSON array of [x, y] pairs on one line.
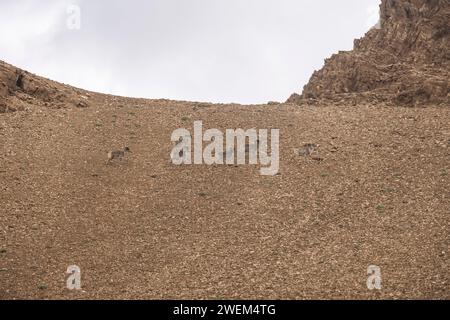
[[18, 87], [3, 90], [405, 61]]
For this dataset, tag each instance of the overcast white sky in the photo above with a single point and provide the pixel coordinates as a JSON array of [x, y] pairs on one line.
[[246, 51]]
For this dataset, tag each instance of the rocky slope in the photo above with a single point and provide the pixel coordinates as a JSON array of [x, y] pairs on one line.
[[20, 90], [374, 191], [405, 61], [372, 188]]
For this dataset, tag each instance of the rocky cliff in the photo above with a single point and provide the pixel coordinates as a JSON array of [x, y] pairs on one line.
[[20, 90], [404, 60]]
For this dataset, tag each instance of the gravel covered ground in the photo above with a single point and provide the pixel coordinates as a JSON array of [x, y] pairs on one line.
[[376, 191]]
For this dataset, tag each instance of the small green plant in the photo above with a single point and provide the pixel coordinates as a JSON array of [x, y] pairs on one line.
[[381, 208], [444, 173], [184, 119]]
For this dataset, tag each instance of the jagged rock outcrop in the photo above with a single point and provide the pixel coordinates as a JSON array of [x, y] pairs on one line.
[[404, 60], [20, 89]]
